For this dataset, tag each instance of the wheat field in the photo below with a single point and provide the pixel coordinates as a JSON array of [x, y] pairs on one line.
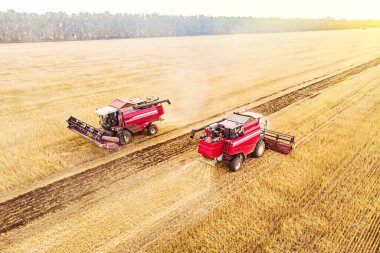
[[323, 197], [42, 84]]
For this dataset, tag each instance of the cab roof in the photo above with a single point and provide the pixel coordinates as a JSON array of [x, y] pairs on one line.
[[105, 110]]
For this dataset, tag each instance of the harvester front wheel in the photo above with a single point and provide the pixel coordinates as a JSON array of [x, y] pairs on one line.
[[125, 137], [152, 129], [259, 149], [236, 163]]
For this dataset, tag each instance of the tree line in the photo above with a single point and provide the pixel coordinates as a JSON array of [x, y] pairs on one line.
[[59, 26]]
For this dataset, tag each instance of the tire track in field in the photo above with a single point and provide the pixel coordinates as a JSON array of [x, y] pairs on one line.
[[307, 201], [310, 196], [225, 185], [27, 207]]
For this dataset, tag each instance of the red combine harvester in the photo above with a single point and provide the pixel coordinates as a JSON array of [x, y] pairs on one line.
[[119, 120], [241, 134]]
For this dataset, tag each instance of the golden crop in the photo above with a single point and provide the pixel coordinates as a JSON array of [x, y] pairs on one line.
[[323, 197]]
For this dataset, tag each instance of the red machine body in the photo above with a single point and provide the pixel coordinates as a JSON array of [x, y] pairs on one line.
[[119, 120], [244, 142], [239, 135], [137, 120]]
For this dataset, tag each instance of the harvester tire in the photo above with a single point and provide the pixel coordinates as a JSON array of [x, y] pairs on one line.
[[259, 149], [125, 137], [152, 129], [235, 164]]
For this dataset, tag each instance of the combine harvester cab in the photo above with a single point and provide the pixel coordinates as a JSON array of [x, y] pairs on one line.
[[236, 137], [119, 120]]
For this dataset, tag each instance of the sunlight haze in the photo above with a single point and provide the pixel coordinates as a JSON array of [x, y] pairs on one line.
[[348, 9]]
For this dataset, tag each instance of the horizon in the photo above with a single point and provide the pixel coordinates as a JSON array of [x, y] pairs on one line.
[[192, 15], [291, 9]]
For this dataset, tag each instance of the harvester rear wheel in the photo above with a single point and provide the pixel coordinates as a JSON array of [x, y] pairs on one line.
[[259, 149], [236, 163], [125, 137], [152, 129]]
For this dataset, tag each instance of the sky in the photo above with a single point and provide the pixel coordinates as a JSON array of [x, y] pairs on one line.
[[339, 9]]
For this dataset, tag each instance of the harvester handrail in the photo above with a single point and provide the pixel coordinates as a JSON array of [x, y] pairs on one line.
[[152, 103]]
